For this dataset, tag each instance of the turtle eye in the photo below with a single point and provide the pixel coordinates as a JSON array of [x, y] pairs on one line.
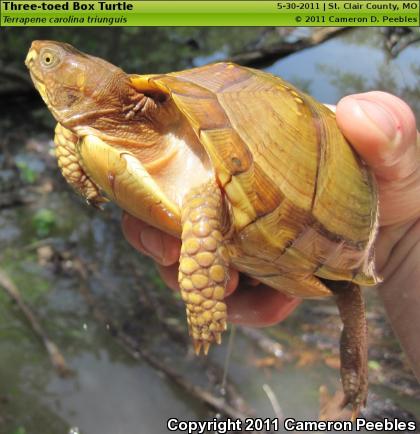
[[49, 58]]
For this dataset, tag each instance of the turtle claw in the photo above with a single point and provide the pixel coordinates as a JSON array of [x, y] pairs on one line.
[[355, 385], [198, 345], [206, 347], [356, 407], [356, 397], [355, 413]]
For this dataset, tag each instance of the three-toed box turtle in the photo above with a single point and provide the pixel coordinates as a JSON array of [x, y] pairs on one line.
[[248, 171]]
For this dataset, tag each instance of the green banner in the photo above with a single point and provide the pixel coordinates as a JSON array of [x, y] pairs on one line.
[[210, 13]]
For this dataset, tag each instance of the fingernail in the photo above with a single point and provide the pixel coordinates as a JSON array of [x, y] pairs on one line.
[[380, 116], [151, 240]]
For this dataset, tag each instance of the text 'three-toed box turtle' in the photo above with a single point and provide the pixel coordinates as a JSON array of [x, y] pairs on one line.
[[246, 169]]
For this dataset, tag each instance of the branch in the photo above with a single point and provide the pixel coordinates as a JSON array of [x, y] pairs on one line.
[[56, 357], [268, 55], [265, 343], [397, 49]]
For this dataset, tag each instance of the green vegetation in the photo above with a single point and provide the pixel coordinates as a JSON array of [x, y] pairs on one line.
[[44, 221], [27, 174], [20, 430]]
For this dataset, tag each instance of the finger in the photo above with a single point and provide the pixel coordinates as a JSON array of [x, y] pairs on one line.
[[169, 275], [382, 129], [259, 307], [232, 283], [163, 248]]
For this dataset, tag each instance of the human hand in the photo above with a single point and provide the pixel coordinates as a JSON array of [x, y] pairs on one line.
[[246, 305], [382, 130]]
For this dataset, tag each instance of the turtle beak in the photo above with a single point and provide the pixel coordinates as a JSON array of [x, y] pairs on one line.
[[31, 57]]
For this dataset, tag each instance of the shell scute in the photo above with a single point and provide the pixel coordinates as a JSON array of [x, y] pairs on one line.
[[300, 198], [197, 110], [227, 148], [217, 77]]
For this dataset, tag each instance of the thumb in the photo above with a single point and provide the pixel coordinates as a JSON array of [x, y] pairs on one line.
[[382, 129]]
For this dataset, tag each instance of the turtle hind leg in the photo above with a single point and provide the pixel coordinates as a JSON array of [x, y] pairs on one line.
[[203, 265], [353, 344]]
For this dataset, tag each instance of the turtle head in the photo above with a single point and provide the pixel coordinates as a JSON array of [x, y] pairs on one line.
[[77, 88]]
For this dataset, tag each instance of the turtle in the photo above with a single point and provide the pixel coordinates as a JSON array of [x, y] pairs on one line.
[[247, 170]]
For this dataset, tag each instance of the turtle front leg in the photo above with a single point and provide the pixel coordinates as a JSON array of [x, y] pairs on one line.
[[71, 168], [353, 344], [203, 265]]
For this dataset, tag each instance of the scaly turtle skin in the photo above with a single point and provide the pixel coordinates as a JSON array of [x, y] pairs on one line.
[[248, 171]]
